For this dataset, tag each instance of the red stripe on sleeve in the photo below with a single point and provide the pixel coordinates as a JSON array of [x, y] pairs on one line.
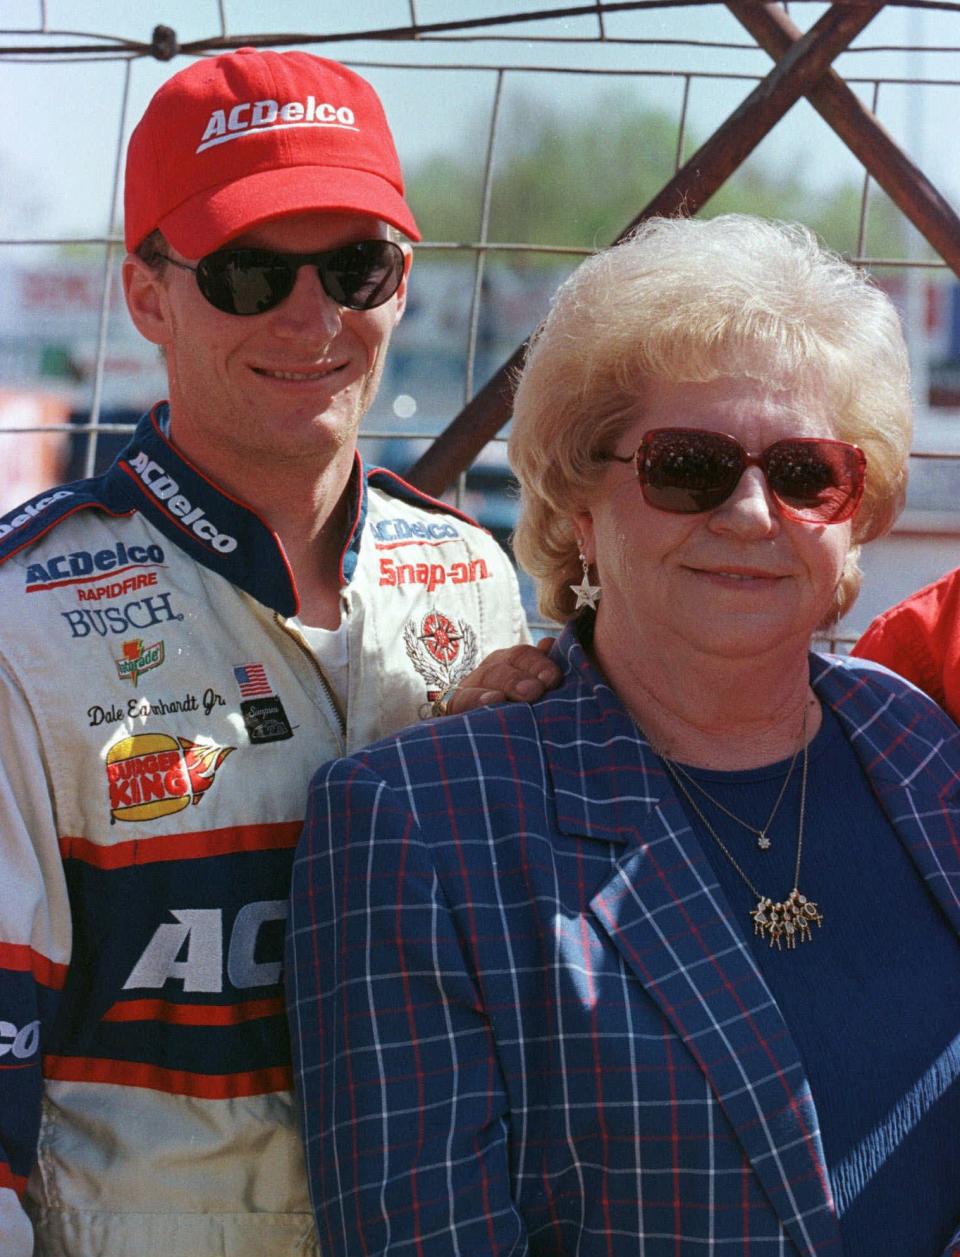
[[15, 1182], [178, 1082], [18, 958], [194, 1014]]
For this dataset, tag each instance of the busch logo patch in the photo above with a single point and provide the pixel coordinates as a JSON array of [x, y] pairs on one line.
[[140, 613]]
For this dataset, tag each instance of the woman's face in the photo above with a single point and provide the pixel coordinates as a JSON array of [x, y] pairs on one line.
[[735, 581]]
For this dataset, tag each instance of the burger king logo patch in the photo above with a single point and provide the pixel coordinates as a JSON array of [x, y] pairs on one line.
[[150, 775]]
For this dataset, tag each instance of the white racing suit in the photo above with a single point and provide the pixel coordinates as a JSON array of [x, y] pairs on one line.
[[160, 722]]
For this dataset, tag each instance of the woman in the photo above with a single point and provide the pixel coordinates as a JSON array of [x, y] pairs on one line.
[[635, 969]]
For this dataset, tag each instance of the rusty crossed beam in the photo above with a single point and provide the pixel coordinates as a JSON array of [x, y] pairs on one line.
[[802, 69]]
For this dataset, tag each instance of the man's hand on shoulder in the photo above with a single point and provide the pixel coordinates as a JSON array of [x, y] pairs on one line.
[[519, 674]]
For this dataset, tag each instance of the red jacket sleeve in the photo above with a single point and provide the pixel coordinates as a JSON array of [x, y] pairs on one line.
[[920, 639]]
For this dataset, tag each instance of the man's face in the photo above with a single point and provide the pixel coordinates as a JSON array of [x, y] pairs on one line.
[[283, 389]]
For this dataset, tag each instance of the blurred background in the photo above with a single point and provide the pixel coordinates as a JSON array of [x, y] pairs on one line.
[[530, 135]]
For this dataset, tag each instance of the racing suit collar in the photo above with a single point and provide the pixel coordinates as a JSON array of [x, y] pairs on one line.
[[215, 529]]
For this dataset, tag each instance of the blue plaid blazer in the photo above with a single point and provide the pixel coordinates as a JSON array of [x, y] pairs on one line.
[[525, 1019]]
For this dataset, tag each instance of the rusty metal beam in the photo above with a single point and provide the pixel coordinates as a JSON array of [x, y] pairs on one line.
[[905, 184], [796, 72], [805, 61]]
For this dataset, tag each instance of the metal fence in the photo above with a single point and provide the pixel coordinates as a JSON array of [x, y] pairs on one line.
[[870, 71]]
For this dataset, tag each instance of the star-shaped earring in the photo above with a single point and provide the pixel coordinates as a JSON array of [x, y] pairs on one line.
[[587, 595]]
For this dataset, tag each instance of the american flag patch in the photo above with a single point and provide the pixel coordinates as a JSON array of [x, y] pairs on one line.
[[252, 679]]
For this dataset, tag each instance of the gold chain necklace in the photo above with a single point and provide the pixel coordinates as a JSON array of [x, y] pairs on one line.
[[790, 919], [763, 841]]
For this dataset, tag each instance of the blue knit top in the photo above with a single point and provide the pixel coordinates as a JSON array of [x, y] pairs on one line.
[[872, 999]]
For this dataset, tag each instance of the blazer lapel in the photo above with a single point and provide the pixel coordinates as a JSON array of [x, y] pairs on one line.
[[665, 913], [901, 745], [667, 916]]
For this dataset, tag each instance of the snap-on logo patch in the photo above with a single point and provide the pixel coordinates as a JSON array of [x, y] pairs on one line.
[[394, 575]]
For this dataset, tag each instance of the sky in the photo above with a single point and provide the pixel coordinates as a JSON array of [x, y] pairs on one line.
[[58, 163]]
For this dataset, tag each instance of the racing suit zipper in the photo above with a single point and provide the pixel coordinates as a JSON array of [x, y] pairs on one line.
[[335, 715]]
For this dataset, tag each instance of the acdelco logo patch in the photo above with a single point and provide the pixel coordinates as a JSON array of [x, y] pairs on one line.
[[395, 532], [153, 774], [84, 567], [193, 947], [167, 492], [258, 115], [32, 510], [21, 1043]]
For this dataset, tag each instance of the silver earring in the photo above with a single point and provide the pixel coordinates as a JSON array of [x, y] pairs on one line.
[[587, 595]]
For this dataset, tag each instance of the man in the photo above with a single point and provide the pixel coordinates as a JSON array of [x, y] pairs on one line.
[[183, 640]]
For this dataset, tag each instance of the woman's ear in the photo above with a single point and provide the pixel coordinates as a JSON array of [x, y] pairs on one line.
[[143, 287], [583, 531]]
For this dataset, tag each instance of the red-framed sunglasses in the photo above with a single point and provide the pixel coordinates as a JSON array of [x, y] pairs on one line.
[[688, 470]]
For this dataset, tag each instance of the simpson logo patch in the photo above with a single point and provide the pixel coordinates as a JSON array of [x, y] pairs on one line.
[[150, 775], [262, 711], [442, 650]]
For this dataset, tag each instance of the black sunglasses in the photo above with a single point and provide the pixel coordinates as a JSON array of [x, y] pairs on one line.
[[687, 470], [359, 276]]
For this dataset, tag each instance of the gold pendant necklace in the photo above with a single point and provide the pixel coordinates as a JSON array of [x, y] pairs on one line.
[[789, 920]]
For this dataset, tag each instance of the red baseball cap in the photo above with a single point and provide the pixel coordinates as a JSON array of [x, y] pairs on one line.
[[239, 139]]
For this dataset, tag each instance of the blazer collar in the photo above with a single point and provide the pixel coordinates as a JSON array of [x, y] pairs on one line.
[[908, 749], [675, 930]]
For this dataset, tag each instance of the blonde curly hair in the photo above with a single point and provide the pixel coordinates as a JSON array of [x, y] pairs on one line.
[[686, 300]]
